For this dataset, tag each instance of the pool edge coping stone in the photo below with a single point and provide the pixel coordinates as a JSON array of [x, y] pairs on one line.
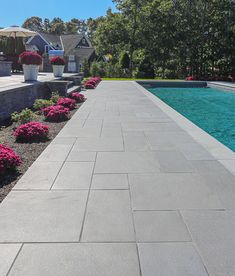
[[219, 151]]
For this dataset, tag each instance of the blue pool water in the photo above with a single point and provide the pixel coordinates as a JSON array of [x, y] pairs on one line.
[[211, 109]]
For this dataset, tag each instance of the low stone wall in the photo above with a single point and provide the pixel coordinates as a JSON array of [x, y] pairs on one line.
[[24, 95], [16, 99]]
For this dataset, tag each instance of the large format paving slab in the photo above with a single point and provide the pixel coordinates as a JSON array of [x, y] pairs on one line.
[[8, 253], [214, 235], [74, 176], [178, 259], [77, 259], [42, 216], [128, 187], [108, 217], [173, 191]]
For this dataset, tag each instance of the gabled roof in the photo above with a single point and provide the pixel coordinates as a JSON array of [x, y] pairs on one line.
[[83, 53], [70, 42], [53, 40]]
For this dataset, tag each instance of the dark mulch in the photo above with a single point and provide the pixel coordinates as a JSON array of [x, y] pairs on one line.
[[28, 152]]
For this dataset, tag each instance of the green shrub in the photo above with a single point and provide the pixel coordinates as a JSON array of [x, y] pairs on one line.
[[98, 69], [40, 104], [86, 68], [54, 97], [124, 60], [25, 116]]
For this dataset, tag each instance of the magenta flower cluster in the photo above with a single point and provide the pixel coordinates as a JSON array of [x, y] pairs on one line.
[[31, 131], [67, 102], [79, 98], [92, 82], [30, 58], [56, 113], [57, 61], [8, 159]]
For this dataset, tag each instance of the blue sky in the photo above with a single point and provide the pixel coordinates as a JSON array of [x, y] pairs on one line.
[[14, 12]]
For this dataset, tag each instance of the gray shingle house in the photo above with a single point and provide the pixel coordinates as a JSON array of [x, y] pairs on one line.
[[75, 48]]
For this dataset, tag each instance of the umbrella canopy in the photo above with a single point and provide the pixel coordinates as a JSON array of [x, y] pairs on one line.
[[16, 31]]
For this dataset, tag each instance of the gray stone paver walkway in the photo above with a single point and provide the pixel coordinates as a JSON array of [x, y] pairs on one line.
[[123, 191]]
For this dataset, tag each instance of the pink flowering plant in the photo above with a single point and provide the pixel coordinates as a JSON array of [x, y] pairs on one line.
[[89, 86], [31, 131], [9, 160], [56, 113], [57, 61], [91, 83], [30, 58], [67, 102], [79, 98]]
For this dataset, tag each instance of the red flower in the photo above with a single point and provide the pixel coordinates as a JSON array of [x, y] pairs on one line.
[[31, 131], [8, 159], [30, 58], [56, 113], [57, 61], [92, 82], [67, 102], [79, 98]]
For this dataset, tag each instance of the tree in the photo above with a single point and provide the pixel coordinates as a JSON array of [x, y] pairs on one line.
[[47, 25], [131, 9], [57, 26], [125, 60], [71, 28], [112, 36], [34, 23]]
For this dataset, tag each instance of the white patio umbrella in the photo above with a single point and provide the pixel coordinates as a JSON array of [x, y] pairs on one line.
[[16, 31]]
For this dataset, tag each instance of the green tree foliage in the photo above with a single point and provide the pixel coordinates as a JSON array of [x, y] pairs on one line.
[[98, 69], [112, 35], [34, 23], [125, 60], [10, 45], [176, 37], [57, 26]]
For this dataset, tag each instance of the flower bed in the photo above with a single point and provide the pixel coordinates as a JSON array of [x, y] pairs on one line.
[[9, 160], [53, 117], [91, 83], [56, 113], [230, 78], [31, 131]]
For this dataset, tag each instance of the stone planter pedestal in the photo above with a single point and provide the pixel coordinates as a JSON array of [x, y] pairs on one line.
[[5, 68]]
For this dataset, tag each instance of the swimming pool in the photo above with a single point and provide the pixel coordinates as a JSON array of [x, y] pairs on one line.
[[211, 109]]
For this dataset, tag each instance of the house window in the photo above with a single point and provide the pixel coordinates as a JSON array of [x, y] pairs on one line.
[[84, 41], [71, 58], [47, 48]]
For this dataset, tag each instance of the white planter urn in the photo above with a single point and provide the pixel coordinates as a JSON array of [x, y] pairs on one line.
[[30, 72], [58, 70]]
